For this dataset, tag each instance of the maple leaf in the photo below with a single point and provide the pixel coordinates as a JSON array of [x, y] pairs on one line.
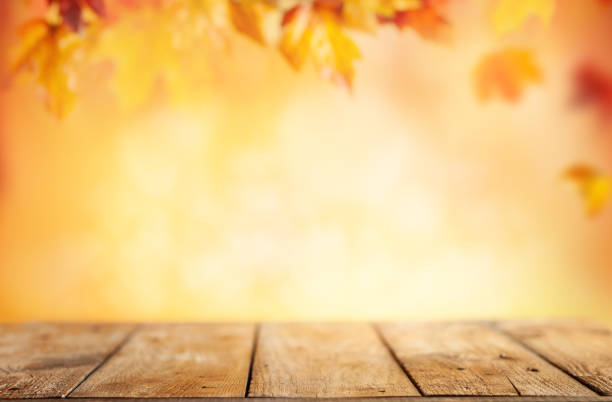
[[510, 15], [425, 19], [593, 87], [594, 187], [47, 51], [366, 14], [312, 32], [255, 18], [162, 35], [505, 73]]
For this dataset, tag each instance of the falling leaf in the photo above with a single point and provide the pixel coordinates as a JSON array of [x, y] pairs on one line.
[[510, 15], [311, 33], [594, 187], [593, 87], [505, 73]]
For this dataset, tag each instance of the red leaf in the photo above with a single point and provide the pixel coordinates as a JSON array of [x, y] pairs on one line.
[[593, 87], [290, 14], [97, 6], [70, 10]]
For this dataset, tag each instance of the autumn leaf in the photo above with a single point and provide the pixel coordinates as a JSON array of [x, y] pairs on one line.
[[152, 48], [257, 19], [594, 187], [510, 15], [425, 19], [593, 87], [366, 15], [74, 12], [47, 51], [505, 73], [312, 33]]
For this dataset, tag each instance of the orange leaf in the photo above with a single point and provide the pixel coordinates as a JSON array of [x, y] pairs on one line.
[[426, 20], [593, 186], [505, 74], [254, 18]]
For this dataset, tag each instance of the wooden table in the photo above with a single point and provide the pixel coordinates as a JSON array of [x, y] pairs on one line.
[[513, 360]]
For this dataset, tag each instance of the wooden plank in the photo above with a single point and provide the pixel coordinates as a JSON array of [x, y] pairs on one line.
[[325, 360], [580, 348], [48, 360], [473, 359], [365, 399], [180, 360]]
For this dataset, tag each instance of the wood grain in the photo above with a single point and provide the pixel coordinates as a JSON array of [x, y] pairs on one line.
[[464, 398], [581, 348], [47, 360], [325, 360], [177, 360], [364, 399], [473, 359]]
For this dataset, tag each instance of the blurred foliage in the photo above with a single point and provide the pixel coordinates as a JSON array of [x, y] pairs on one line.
[[56, 45]]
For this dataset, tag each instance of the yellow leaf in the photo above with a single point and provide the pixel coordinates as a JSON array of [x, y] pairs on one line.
[[509, 15], [318, 36], [152, 48], [47, 51], [387, 8], [593, 186], [296, 40], [364, 14], [334, 53], [505, 74]]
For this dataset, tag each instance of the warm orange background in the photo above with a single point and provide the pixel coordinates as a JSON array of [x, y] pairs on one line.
[[261, 193]]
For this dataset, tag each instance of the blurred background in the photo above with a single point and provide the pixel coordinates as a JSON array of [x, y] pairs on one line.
[[219, 184]]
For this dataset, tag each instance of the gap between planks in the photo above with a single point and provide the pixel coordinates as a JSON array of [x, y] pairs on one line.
[[253, 350], [395, 358], [103, 361], [495, 326]]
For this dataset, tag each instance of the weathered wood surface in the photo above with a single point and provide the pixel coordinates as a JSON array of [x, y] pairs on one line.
[[356, 399], [508, 361], [582, 349], [473, 359], [48, 360], [325, 360], [186, 360]]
